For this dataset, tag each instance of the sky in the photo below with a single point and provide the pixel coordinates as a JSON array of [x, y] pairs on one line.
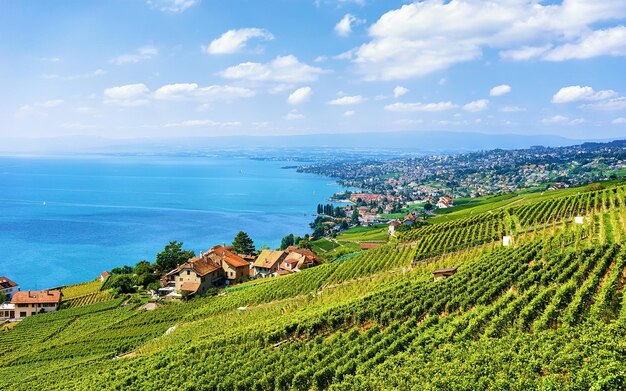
[[178, 68]]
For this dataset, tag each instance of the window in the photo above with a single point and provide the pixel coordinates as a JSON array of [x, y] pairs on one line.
[[187, 272], [22, 314]]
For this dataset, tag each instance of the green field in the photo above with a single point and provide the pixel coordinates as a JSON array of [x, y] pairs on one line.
[[548, 313]]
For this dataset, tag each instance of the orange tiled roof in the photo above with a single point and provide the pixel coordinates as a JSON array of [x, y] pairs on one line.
[[6, 283], [34, 297], [268, 258], [229, 257]]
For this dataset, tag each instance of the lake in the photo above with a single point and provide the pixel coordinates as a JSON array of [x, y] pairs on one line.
[[65, 220]]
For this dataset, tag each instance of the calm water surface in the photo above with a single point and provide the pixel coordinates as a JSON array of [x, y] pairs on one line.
[[66, 220]]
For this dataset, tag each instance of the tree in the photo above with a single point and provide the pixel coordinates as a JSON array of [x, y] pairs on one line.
[[172, 255], [354, 219], [123, 284], [3, 297], [242, 244], [287, 241], [122, 270], [428, 206], [143, 267]]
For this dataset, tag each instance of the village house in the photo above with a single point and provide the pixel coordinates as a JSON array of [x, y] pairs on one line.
[[104, 276], [392, 227], [445, 202], [195, 276], [308, 258], [268, 262], [235, 268], [9, 287], [28, 303]]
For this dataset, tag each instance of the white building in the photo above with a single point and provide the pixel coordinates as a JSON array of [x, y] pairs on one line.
[[9, 287]]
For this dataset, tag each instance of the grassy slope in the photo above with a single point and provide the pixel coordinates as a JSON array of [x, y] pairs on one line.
[[520, 317]]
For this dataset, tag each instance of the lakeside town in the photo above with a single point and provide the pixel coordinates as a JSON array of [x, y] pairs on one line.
[[397, 195]]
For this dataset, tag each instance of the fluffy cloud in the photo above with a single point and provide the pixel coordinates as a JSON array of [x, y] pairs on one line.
[[139, 94], [399, 91], [283, 69], [344, 26], [172, 6], [347, 100], [619, 121], [613, 104], [476, 106], [578, 93], [180, 91], [201, 123], [300, 95], [293, 115], [233, 41], [349, 113], [562, 120], [127, 95], [609, 42], [512, 109], [143, 53], [428, 107], [427, 36], [500, 90]]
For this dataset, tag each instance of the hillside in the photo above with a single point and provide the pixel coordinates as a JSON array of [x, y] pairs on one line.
[[548, 312]]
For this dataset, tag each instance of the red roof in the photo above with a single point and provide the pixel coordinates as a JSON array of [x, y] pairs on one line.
[[35, 297], [199, 265], [367, 246], [229, 257], [6, 283], [190, 286]]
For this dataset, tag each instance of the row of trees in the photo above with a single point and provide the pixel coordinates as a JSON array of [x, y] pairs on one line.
[[330, 210]]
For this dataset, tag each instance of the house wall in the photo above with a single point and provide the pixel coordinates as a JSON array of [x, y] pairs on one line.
[[25, 310], [181, 277]]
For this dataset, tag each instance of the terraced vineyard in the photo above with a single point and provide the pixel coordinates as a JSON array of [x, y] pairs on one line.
[[546, 313]]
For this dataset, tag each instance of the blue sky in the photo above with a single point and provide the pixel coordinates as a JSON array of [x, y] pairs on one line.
[[163, 68]]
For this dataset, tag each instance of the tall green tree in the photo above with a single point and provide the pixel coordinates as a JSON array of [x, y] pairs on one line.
[[172, 255], [243, 244], [354, 219]]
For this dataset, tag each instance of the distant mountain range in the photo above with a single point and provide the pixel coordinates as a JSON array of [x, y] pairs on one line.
[[421, 142]]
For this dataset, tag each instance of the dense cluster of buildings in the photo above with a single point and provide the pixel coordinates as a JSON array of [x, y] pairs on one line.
[[479, 173], [222, 266]]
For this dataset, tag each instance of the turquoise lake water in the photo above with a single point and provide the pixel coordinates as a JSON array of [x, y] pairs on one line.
[[66, 220]]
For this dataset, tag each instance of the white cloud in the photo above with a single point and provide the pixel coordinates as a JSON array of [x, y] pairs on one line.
[[347, 100], [609, 42], [429, 107], [613, 104], [557, 119], [349, 113], [283, 69], [500, 90], [344, 26], [143, 53], [476, 106], [293, 115], [407, 122], [431, 35], [347, 55], [512, 109], [181, 91], [172, 6], [38, 107], [320, 59], [399, 91], [127, 95], [619, 121], [300, 95], [77, 126], [578, 93], [233, 41], [525, 52], [563, 120], [201, 123]]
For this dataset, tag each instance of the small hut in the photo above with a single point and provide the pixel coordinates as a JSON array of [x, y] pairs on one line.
[[442, 273]]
